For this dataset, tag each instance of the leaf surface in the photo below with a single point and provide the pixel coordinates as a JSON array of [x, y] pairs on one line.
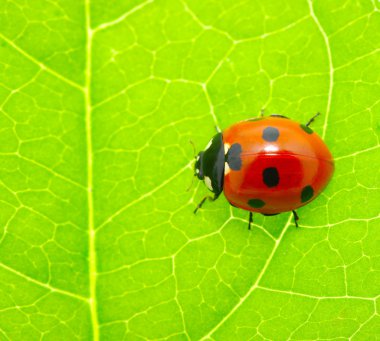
[[98, 103]]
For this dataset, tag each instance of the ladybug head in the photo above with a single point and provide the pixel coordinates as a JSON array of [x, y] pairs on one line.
[[209, 165]]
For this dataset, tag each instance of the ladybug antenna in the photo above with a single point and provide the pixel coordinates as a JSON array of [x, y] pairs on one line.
[[195, 156], [191, 183], [194, 149]]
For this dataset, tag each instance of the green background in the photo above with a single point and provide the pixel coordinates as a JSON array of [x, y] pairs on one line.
[[99, 100]]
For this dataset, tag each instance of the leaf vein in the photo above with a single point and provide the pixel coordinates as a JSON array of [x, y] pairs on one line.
[[331, 66], [41, 284], [40, 64], [255, 285]]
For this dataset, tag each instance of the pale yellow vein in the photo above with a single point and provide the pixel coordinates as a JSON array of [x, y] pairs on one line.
[[40, 64], [90, 199], [331, 67]]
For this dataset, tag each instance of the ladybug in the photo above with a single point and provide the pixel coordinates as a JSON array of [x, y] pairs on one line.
[[267, 165]]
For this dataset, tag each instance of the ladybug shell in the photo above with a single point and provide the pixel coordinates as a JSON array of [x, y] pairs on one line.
[[274, 165]]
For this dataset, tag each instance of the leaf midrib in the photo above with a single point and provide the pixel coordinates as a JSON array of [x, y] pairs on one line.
[[90, 198]]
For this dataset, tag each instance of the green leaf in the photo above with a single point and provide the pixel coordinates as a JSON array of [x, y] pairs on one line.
[[99, 100]]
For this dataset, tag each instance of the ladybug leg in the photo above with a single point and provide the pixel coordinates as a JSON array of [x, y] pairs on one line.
[[250, 220], [262, 112], [296, 218], [203, 201], [312, 119]]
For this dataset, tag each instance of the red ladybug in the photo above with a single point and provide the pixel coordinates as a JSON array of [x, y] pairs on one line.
[[266, 165]]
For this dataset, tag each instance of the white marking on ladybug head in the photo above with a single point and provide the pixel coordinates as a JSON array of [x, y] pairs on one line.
[[226, 148], [208, 183], [226, 168]]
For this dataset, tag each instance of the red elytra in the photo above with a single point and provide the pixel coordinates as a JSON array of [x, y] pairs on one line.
[[267, 165]]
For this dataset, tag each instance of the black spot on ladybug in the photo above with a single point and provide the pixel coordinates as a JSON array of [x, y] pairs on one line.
[[307, 193], [279, 116], [271, 134], [233, 156], [271, 177], [256, 203], [306, 129]]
